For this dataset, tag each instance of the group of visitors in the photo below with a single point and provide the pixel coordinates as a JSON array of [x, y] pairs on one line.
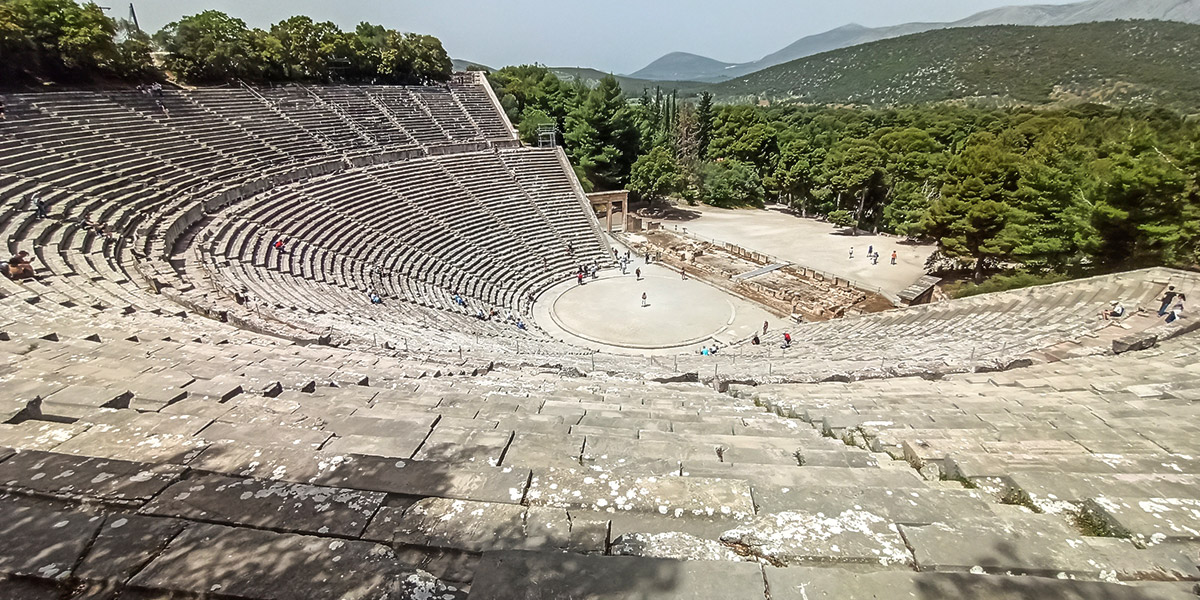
[[154, 89], [1172, 305], [873, 255], [1171, 308], [708, 350]]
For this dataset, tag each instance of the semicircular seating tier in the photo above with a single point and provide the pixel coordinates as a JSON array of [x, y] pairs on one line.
[[417, 193]]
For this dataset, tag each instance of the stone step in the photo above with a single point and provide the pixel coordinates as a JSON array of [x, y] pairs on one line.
[[556, 576], [805, 583]]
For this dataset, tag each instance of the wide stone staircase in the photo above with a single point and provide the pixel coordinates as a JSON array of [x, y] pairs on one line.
[[152, 455]]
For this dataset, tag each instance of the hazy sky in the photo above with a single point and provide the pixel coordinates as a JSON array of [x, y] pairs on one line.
[[612, 35]]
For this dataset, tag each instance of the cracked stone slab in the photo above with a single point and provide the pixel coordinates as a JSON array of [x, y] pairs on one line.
[[1059, 492], [43, 543], [674, 545], [1039, 545], [798, 537], [249, 563], [132, 421], [806, 583], [611, 492], [557, 576], [267, 504], [107, 480], [125, 543], [39, 435], [455, 444], [903, 505], [372, 473], [457, 524], [266, 434], [1150, 520], [102, 441]]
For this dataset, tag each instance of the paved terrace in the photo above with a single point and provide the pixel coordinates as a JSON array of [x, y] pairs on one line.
[[810, 243]]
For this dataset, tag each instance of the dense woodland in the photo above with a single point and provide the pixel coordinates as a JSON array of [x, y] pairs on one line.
[[1049, 191], [62, 41]]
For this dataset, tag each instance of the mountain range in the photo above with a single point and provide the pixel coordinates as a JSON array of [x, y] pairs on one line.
[[682, 66], [1124, 63]]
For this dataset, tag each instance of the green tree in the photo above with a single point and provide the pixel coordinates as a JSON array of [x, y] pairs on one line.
[[742, 134], [1143, 213], [601, 136], [306, 48], [794, 175], [730, 184], [656, 175], [57, 39], [530, 121], [210, 47], [857, 171], [704, 117]]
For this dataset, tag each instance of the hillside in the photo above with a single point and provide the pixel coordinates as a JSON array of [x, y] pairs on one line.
[[631, 85], [682, 66], [1112, 62], [701, 68]]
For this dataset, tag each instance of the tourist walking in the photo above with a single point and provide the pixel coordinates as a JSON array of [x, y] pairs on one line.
[[683, 273], [870, 250], [643, 299], [765, 324], [893, 257], [579, 277], [40, 207], [638, 272], [1167, 299], [851, 251]]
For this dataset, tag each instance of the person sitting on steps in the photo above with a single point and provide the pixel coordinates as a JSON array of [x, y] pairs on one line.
[[1115, 311], [19, 267]]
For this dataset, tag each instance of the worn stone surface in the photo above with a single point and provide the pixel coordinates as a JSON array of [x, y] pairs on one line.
[[457, 524], [550, 576], [388, 447], [1040, 545], [611, 492], [372, 473], [116, 481], [266, 434], [456, 444], [285, 567], [43, 543], [1150, 520], [675, 545], [107, 442], [797, 537], [267, 504], [39, 435], [834, 584], [124, 544]]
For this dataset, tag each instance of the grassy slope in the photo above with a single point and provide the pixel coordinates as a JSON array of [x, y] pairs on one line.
[[1123, 62]]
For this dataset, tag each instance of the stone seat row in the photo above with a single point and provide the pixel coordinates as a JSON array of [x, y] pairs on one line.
[[494, 466]]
